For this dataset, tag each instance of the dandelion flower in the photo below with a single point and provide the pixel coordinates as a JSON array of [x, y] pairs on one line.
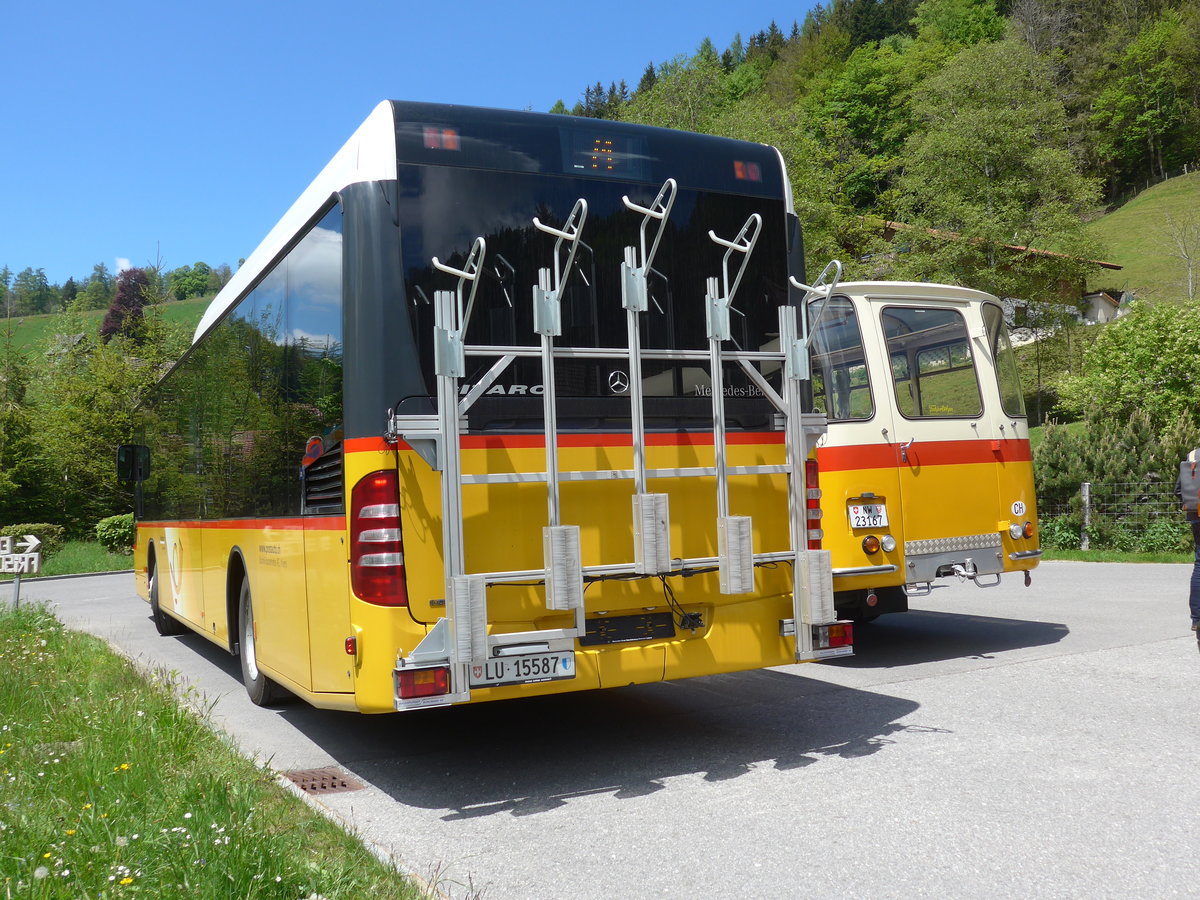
[[126, 880], [40, 872]]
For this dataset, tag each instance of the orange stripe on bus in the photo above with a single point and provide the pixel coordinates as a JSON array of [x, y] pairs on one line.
[[923, 453], [307, 523], [538, 441]]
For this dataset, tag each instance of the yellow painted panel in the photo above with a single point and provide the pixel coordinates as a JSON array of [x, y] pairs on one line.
[[180, 586], [328, 591]]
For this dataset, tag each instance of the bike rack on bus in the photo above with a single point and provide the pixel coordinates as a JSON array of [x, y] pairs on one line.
[[461, 639], [651, 516]]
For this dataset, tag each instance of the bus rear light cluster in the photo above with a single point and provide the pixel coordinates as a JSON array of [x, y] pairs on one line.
[[1017, 531], [839, 634], [429, 681], [376, 549], [812, 504], [873, 544]]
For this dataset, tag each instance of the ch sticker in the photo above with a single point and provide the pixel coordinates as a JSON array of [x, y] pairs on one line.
[[1018, 508]]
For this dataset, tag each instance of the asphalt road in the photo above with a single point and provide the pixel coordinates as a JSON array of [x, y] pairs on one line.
[[998, 742]]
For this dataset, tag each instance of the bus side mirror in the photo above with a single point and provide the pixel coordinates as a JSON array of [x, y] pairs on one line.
[[133, 463]]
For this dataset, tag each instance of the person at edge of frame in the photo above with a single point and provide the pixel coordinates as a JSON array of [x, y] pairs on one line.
[[1187, 489]]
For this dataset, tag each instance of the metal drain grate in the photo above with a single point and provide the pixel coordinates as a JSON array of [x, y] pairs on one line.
[[330, 780]]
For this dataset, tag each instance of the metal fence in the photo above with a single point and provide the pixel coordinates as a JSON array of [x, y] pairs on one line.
[[1131, 516]]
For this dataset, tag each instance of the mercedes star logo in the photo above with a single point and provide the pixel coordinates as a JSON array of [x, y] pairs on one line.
[[618, 382]]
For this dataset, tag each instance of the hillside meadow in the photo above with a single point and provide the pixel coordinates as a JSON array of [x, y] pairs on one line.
[[1138, 237]]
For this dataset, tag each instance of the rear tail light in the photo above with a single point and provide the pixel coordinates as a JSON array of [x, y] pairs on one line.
[[839, 634], [432, 681], [812, 504], [376, 550]]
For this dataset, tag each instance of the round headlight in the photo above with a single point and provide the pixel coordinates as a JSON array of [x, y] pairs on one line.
[[1014, 530], [888, 543]]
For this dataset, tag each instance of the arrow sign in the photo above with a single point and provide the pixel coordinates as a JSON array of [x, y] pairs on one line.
[[30, 544]]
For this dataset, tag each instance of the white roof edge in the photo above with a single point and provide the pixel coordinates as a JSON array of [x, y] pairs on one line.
[[789, 204], [903, 290], [369, 155]]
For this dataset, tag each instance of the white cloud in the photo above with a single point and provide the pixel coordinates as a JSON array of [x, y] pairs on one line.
[[123, 264]]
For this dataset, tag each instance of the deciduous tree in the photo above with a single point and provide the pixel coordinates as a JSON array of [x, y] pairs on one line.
[[988, 182], [1145, 119], [1146, 360]]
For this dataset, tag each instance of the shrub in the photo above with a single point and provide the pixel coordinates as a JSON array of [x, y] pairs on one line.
[[1060, 532], [116, 533], [52, 536], [1166, 535]]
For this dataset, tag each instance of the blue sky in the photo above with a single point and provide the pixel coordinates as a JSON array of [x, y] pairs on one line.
[[137, 132]]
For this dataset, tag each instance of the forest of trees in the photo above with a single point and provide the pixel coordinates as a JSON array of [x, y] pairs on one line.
[[966, 141], [30, 293]]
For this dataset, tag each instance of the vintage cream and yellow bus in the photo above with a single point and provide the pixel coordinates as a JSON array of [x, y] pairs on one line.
[[926, 469], [506, 404]]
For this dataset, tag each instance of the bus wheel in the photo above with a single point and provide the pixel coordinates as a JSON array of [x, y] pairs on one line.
[[163, 624], [262, 690]]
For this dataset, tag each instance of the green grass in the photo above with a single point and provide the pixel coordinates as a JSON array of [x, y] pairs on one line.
[[111, 787], [79, 558], [1117, 556], [35, 333], [1137, 238]]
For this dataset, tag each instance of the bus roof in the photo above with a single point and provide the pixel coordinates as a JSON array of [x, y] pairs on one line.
[[911, 290]]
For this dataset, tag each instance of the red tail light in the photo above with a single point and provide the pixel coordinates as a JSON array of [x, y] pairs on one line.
[[376, 550], [827, 637], [415, 683], [812, 504]]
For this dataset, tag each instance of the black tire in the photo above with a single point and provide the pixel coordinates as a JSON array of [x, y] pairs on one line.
[[262, 690], [164, 624]]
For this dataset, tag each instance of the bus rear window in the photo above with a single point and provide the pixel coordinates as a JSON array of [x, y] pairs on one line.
[[933, 370]]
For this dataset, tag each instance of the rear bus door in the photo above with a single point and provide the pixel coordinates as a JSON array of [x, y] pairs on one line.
[[941, 433]]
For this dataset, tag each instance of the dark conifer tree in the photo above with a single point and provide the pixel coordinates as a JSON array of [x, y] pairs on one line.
[[648, 78]]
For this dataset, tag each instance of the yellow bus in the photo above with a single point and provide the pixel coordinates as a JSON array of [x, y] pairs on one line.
[[506, 404], [926, 468]]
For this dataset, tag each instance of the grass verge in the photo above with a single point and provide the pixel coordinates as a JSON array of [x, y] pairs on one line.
[[78, 557], [1117, 556], [110, 787]]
